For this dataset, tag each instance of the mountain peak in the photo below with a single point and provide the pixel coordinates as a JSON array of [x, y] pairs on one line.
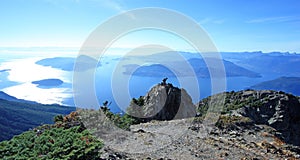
[[163, 102]]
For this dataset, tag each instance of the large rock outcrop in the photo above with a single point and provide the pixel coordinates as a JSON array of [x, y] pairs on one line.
[[276, 109], [163, 102]]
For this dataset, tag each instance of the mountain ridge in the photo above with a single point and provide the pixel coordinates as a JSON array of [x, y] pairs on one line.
[[8, 97], [198, 68], [21, 115], [286, 84]]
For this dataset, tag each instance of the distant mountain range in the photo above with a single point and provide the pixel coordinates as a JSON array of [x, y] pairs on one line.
[[286, 84], [237, 64], [284, 64], [198, 68], [246, 64], [19, 115]]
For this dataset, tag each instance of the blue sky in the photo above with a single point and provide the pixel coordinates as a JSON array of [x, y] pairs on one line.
[[233, 25]]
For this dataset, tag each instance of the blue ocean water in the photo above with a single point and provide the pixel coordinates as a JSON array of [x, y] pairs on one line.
[[106, 79], [139, 86]]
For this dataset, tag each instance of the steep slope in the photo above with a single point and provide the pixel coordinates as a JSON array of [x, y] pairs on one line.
[[8, 97], [66, 139], [18, 116], [5, 96]]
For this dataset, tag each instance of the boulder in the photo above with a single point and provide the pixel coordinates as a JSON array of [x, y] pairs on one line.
[[278, 110], [164, 102]]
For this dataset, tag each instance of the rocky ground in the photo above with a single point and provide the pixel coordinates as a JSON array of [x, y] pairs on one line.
[[231, 125], [185, 139]]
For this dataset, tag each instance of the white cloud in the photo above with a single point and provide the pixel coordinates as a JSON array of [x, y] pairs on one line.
[[274, 19]]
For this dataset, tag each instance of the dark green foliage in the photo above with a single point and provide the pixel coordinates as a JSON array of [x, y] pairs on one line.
[[230, 121], [58, 118], [126, 120], [239, 103], [17, 117], [122, 121], [140, 101], [52, 143], [203, 106], [232, 101], [212, 104], [107, 112]]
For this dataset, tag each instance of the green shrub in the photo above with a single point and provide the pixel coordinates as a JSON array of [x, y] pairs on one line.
[[53, 143], [140, 101], [233, 101], [58, 118], [225, 121]]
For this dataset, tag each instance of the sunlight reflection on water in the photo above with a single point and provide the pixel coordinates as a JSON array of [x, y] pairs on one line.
[[24, 71]]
